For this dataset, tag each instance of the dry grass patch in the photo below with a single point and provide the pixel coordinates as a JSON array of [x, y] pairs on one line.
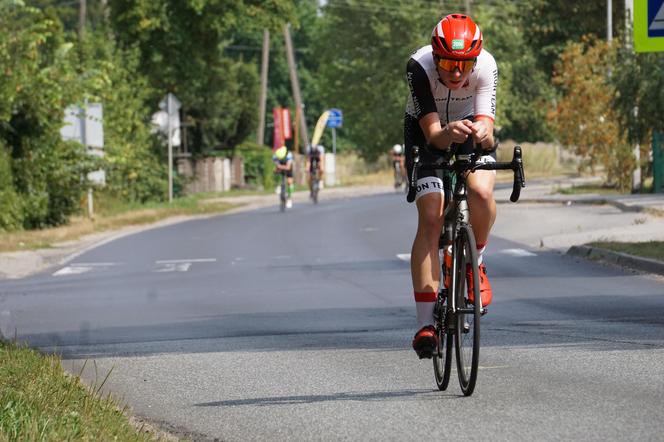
[[110, 218]]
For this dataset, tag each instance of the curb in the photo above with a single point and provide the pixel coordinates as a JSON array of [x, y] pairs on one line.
[[589, 202], [621, 259]]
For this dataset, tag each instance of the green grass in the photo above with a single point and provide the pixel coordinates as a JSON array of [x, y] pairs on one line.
[[40, 402], [650, 249]]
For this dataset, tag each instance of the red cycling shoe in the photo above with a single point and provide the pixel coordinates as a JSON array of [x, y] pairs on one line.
[[485, 287], [425, 342]]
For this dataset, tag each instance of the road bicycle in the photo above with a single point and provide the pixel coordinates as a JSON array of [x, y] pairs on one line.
[[282, 191], [315, 186], [398, 177], [456, 319]]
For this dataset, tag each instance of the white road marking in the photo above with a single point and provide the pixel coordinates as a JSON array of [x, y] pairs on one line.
[[517, 252], [370, 229], [174, 267], [175, 261], [94, 264], [404, 256], [81, 267]]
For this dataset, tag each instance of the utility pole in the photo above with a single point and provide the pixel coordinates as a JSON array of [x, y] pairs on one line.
[[295, 84], [636, 174], [82, 6], [609, 21], [263, 97], [467, 4]]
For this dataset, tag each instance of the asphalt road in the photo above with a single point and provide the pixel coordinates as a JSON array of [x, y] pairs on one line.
[[297, 326]]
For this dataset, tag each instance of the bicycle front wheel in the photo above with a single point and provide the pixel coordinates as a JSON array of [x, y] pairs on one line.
[[316, 187], [442, 358], [467, 334]]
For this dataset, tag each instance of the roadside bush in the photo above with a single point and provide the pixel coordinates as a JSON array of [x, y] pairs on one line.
[[39, 80], [10, 205], [258, 166]]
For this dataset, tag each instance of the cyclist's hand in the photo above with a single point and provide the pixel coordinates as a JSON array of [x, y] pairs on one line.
[[480, 133], [458, 131]]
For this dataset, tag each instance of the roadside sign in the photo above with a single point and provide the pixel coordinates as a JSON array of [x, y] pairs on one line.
[[85, 124], [649, 25], [336, 117]]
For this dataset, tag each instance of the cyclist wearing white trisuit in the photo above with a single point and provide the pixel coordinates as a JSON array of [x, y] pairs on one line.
[[452, 104], [398, 164]]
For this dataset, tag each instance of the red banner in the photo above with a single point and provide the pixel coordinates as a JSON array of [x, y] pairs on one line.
[[286, 124]]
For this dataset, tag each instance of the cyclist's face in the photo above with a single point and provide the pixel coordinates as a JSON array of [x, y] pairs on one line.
[[453, 79]]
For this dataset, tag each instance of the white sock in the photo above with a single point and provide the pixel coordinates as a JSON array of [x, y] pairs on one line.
[[480, 254], [425, 303]]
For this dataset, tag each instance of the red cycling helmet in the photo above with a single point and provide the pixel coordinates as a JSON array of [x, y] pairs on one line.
[[456, 37]]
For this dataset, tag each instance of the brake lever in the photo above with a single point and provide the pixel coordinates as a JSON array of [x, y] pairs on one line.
[[413, 175]]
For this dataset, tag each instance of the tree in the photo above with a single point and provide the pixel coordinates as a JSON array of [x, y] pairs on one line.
[[524, 92], [39, 80], [550, 24], [182, 43], [584, 118], [639, 80], [363, 50]]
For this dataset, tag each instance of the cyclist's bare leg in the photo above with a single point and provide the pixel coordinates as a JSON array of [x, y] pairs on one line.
[[424, 260], [481, 202], [289, 192]]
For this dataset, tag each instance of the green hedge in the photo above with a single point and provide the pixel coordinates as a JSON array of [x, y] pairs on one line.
[[258, 166], [11, 215]]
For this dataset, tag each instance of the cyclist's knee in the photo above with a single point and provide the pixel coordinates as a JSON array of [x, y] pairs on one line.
[[430, 220], [481, 191]]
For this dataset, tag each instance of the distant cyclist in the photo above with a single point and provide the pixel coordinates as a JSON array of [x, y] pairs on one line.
[[398, 165], [452, 103], [315, 165], [283, 163]]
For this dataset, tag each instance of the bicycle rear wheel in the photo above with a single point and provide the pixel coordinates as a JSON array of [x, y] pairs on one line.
[[316, 187], [467, 334], [442, 358]]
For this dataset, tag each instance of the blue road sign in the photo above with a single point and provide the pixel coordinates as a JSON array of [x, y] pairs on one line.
[[655, 18], [335, 119]]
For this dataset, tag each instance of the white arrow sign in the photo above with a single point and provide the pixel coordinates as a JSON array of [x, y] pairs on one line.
[[658, 22]]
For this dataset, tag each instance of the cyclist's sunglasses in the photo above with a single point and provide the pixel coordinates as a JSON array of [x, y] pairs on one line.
[[449, 65]]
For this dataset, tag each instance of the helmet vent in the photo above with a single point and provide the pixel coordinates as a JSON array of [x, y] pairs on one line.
[[472, 45]]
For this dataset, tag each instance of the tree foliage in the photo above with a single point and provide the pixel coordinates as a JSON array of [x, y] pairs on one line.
[[584, 118], [639, 80], [181, 45], [39, 80], [363, 53]]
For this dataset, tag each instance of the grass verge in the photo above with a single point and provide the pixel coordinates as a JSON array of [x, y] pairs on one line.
[[39, 401], [650, 249], [590, 188]]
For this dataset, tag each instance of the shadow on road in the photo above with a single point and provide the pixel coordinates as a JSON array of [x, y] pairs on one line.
[[350, 396]]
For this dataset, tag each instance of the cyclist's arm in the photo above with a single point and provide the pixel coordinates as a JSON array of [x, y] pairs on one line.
[[483, 131], [442, 137], [485, 100]]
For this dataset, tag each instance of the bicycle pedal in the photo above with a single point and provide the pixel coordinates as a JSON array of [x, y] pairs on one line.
[[484, 311]]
